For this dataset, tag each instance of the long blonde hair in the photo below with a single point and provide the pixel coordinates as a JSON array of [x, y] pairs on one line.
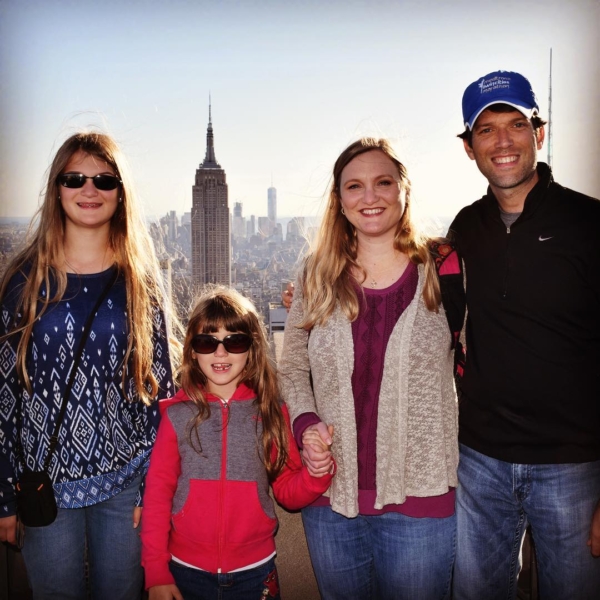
[[217, 307], [134, 257], [327, 277]]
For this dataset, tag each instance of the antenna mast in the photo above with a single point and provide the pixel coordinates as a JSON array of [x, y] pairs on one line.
[[550, 114]]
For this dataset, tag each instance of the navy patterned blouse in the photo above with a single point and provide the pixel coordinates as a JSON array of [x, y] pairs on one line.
[[106, 434]]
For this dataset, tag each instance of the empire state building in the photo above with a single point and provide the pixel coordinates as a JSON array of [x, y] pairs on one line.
[[211, 253]]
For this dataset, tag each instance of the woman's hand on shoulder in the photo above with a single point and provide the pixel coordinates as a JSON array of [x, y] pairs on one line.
[[316, 451], [287, 296], [165, 592]]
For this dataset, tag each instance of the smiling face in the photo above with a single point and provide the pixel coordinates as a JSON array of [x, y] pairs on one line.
[[88, 207], [504, 146], [371, 195], [223, 370]]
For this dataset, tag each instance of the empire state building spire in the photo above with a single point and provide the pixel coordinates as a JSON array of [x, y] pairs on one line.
[[211, 250], [210, 161]]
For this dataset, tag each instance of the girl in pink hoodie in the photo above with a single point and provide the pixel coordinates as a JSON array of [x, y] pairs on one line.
[[209, 522]]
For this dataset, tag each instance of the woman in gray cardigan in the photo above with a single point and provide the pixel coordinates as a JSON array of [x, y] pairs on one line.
[[367, 356]]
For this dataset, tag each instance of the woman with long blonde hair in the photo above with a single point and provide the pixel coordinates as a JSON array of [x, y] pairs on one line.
[[88, 240], [367, 354]]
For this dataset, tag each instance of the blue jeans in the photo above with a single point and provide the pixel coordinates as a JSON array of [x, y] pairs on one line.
[[260, 583], [54, 555], [495, 502], [383, 557]]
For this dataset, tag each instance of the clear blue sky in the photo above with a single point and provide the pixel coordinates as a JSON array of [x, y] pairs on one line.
[[292, 84]]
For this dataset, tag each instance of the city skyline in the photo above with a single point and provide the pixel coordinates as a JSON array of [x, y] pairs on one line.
[[291, 86]]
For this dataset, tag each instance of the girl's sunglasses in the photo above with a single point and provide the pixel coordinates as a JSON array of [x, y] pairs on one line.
[[236, 343], [77, 180]]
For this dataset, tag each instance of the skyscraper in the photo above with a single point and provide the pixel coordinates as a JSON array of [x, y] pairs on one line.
[[239, 223], [251, 226], [211, 253], [172, 225], [264, 227], [295, 229], [272, 208]]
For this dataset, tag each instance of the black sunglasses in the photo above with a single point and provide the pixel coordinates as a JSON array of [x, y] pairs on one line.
[[77, 180], [236, 343]]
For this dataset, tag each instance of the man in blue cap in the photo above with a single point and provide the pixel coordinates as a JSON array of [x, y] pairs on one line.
[[530, 396]]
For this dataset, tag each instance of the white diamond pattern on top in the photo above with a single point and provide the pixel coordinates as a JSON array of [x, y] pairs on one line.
[[8, 359]]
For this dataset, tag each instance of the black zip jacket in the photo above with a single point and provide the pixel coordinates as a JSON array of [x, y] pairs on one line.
[[531, 386]]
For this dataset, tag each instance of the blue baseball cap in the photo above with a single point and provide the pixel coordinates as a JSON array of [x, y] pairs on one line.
[[499, 87]]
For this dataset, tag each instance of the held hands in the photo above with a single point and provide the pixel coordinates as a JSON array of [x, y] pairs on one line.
[[165, 592], [316, 452]]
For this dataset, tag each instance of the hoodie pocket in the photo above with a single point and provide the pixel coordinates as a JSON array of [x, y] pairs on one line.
[[245, 518], [198, 519]]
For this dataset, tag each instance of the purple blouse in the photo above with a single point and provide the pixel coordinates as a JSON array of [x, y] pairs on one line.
[[379, 312]]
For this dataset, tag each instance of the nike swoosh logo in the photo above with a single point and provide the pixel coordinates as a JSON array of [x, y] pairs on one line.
[[543, 239]]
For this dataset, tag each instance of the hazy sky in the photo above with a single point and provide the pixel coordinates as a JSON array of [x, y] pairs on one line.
[[292, 84]]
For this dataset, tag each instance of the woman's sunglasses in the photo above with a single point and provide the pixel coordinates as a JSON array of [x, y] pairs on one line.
[[236, 343], [77, 180]]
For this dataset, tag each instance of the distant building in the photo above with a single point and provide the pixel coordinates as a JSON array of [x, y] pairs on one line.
[[211, 251], [239, 223], [172, 225], [272, 208], [295, 228], [264, 227], [251, 226], [277, 317], [277, 232]]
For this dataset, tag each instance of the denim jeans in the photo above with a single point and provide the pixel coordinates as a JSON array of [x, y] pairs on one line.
[[495, 502], [260, 583], [54, 555], [383, 557]]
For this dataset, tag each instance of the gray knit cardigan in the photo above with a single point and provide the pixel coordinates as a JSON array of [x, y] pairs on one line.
[[417, 430]]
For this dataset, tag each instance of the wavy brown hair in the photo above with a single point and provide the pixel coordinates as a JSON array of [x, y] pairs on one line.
[[218, 307], [327, 278], [41, 262]]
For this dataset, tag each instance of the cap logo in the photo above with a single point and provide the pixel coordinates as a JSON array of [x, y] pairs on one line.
[[496, 83]]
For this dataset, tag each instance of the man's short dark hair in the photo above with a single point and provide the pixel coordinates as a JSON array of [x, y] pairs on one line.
[[467, 134]]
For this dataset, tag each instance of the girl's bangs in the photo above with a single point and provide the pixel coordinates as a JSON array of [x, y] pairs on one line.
[[220, 315]]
